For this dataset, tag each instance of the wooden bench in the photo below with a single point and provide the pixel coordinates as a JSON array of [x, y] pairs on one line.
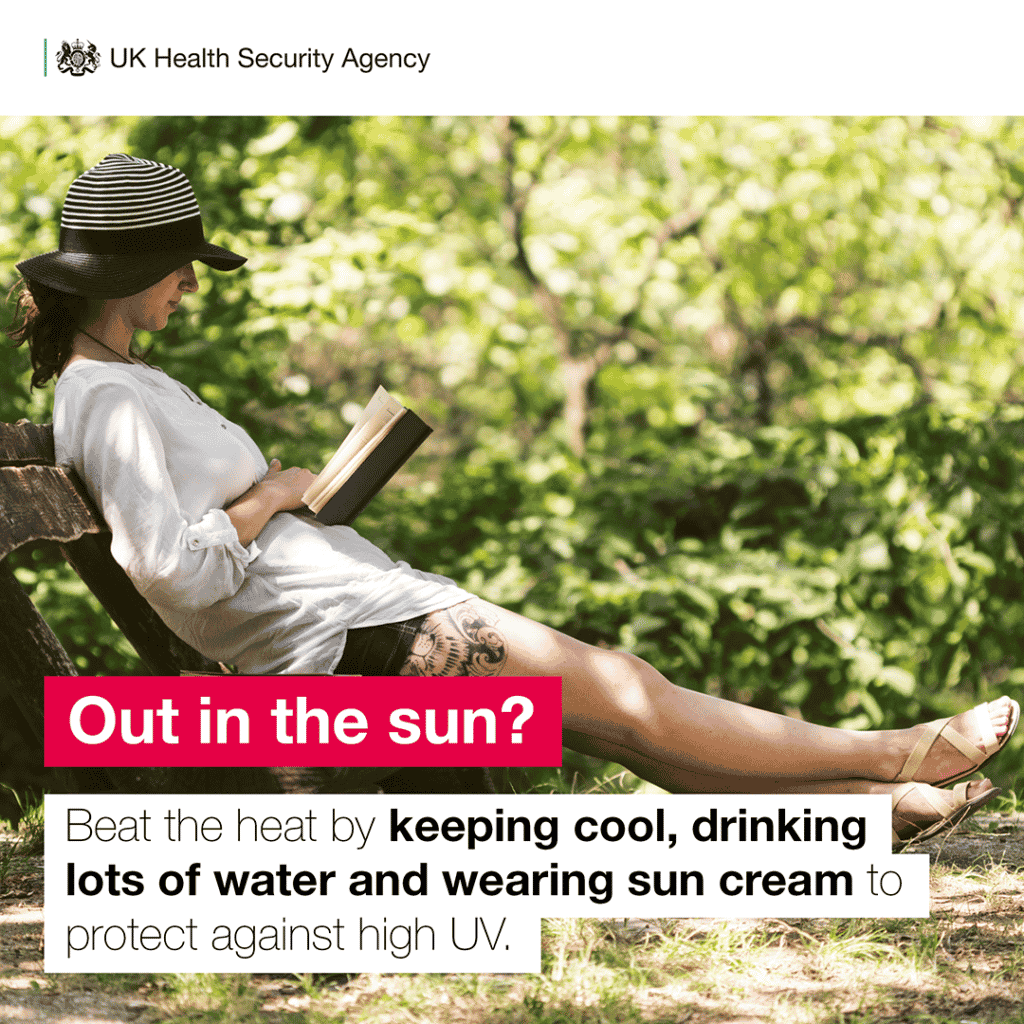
[[40, 501]]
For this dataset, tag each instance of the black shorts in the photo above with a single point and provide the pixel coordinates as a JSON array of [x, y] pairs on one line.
[[378, 650]]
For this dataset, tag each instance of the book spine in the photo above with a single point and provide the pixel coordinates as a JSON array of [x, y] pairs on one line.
[[380, 466]]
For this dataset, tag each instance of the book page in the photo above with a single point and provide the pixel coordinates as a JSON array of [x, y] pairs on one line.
[[332, 487], [378, 412]]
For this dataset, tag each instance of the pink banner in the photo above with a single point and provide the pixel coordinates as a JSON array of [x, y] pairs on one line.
[[252, 721]]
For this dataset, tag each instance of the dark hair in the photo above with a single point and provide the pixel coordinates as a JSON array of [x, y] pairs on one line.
[[48, 320]]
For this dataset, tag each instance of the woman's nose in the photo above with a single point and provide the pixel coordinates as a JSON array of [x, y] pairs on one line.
[[189, 283]]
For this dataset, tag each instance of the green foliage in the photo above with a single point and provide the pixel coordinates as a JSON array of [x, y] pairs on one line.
[[698, 383]]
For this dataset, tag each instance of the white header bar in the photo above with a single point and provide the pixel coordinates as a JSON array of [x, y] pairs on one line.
[[533, 57]]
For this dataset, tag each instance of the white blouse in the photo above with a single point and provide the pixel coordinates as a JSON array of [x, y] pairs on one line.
[[162, 466]]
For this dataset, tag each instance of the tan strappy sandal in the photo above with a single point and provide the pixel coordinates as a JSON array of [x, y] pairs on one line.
[[991, 745], [952, 806]]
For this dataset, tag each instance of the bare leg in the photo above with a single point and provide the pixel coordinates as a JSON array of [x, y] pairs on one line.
[[614, 698]]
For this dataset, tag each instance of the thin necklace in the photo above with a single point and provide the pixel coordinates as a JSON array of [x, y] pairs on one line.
[[111, 350], [188, 394]]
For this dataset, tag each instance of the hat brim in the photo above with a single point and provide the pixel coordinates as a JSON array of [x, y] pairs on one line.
[[118, 275]]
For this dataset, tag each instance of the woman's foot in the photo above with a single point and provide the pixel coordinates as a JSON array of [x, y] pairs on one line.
[[920, 811], [950, 749]]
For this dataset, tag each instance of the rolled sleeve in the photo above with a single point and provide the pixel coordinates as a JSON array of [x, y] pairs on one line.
[[216, 529]]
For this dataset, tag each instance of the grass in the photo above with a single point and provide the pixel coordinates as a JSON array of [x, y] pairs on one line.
[[27, 841]]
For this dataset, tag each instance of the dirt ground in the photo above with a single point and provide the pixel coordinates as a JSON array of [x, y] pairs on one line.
[[27, 995]]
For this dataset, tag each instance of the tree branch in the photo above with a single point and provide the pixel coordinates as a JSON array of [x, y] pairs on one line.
[[580, 361]]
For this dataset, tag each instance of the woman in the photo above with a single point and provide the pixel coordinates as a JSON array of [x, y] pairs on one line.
[[200, 523]]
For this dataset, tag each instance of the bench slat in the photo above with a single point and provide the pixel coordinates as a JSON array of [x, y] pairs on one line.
[[26, 443], [161, 651], [28, 651], [42, 503]]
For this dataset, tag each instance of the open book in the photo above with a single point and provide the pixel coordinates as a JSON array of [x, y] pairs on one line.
[[376, 447]]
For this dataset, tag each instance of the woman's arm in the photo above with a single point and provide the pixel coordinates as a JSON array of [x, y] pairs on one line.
[[278, 491]]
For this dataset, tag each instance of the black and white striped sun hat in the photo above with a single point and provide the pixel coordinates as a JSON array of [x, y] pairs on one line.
[[126, 224]]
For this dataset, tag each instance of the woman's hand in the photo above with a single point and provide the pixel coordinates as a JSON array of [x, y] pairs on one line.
[[286, 486], [279, 491]]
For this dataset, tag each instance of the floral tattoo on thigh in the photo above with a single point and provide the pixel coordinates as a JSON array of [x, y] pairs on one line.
[[459, 641]]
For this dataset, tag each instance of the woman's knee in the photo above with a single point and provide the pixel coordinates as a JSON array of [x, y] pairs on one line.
[[636, 692]]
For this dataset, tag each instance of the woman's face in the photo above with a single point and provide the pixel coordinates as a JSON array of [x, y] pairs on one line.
[[149, 310]]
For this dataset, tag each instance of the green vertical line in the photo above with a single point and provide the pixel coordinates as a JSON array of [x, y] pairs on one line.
[[44, 58]]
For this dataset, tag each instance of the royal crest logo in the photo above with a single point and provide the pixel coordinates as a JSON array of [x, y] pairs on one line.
[[78, 57]]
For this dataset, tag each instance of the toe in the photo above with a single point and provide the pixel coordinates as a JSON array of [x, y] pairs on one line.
[[1001, 714], [977, 787]]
